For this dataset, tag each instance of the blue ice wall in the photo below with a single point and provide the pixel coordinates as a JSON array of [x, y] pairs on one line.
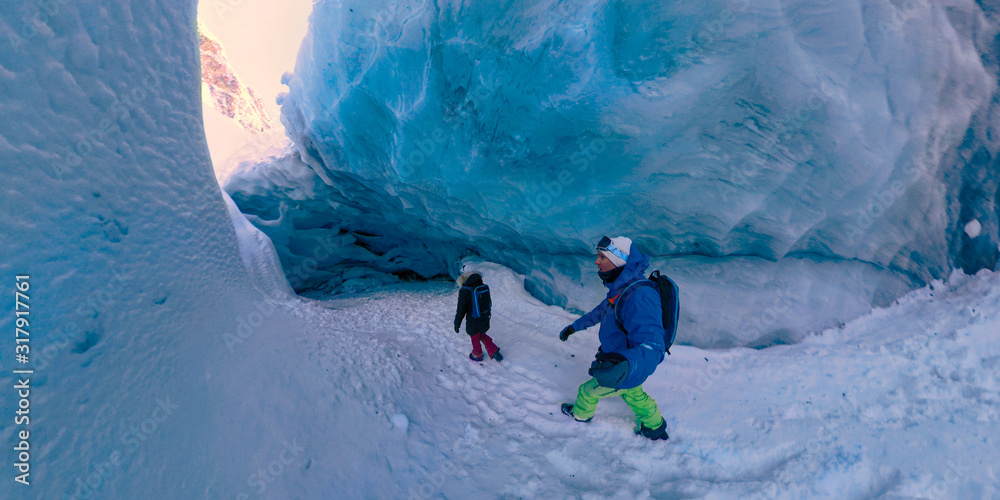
[[522, 131]]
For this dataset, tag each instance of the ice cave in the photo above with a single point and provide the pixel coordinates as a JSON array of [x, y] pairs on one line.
[[233, 230]]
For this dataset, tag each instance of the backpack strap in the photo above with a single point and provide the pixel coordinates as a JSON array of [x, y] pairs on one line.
[[617, 299]]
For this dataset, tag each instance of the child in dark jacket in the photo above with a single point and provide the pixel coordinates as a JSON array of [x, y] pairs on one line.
[[475, 327]]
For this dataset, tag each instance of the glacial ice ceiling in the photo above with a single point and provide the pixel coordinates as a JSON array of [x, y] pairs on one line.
[[522, 131]]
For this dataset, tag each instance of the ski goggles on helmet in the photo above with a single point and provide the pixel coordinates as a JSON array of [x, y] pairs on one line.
[[606, 245]]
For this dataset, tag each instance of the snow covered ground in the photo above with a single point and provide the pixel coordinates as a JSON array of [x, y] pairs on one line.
[[902, 403]]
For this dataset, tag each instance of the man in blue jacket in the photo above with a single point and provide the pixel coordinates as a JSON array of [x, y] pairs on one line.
[[624, 361]]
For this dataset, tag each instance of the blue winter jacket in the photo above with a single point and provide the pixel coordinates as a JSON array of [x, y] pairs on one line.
[[642, 316]]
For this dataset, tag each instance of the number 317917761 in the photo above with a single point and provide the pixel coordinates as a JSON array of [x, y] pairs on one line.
[[21, 308]]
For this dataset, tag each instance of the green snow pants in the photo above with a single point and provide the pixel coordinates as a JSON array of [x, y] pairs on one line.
[[642, 405]]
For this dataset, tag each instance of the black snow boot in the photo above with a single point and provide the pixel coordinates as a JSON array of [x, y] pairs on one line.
[[653, 434], [497, 356], [567, 409]]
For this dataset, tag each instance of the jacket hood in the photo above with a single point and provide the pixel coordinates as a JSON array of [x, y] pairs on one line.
[[470, 280], [635, 267]]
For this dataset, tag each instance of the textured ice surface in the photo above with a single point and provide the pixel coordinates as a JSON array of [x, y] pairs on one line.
[[155, 352], [521, 132]]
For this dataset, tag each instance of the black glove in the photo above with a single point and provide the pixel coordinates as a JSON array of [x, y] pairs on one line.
[[610, 369], [456, 328], [566, 332]]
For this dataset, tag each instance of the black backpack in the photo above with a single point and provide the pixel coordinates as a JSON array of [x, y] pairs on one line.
[[669, 302], [481, 302]]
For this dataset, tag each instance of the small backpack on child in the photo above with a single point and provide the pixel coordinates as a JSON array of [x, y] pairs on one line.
[[481, 302]]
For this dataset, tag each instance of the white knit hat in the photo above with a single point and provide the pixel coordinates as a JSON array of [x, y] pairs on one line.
[[617, 250]]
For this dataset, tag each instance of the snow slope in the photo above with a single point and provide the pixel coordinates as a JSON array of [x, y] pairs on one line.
[[902, 403]]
